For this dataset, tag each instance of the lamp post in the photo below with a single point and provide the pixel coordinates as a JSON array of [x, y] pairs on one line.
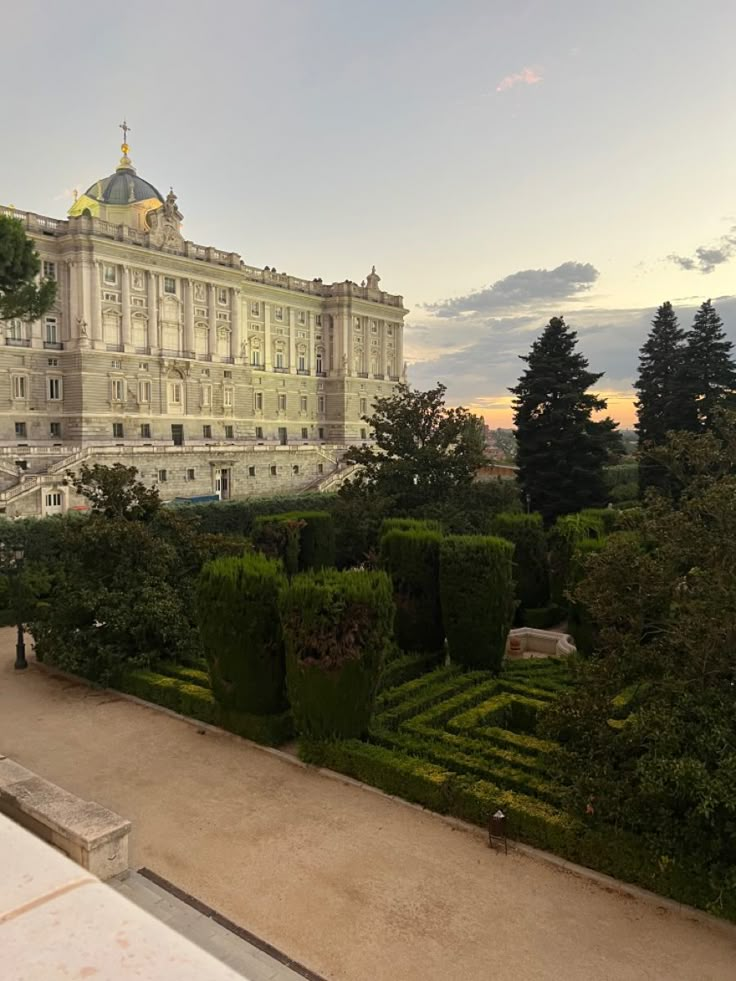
[[20, 647]]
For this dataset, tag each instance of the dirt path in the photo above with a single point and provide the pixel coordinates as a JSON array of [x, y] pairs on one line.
[[356, 887]]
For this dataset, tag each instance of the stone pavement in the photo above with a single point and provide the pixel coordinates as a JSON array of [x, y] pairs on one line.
[[242, 956]]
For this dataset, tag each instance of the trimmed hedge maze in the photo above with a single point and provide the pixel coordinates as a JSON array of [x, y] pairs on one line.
[[464, 743]]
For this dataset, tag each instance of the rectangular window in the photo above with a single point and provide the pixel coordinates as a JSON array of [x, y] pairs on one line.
[[117, 430], [228, 432], [374, 327], [207, 432], [222, 296], [110, 275], [282, 403], [258, 401], [279, 359], [302, 363], [303, 403], [49, 270], [319, 363], [54, 389], [20, 430], [206, 395], [278, 313], [305, 432], [255, 357], [273, 470], [55, 430], [15, 330], [227, 398], [190, 474], [259, 432], [362, 434], [255, 309], [20, 387], [170, 285], [162, 476], [53, 362], [251, 471], [52, 331], [117, 390], [144, 392], [321, 432], [320, 403], [318, 320], [295, 469], [302, 317], [117, 364], [175, 393], [320, 468], [227, 374], [145, 430]]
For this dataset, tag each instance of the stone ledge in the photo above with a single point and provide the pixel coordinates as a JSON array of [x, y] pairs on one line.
[[90, 834]]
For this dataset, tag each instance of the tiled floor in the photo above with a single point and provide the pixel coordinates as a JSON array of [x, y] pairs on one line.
[[241, 956]]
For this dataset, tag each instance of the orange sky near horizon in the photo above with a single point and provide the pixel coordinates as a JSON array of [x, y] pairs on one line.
[[500, 415]]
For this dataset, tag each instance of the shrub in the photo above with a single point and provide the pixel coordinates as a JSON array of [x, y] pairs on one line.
[[237, 517], [406, 668], [278, 537], [608, 518], [531, 563], [409, 524], [478, 603], [237, 606], [301, 539], [337, 629], [563, 537], [412, 560], [317, 540]]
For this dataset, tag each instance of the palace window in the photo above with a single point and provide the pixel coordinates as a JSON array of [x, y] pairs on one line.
[[110, 275], [318, 320], [20, 387], [255, 309], [305, 432], [206, 396], [374, 327], [221, 295], [258, 401], [55, 430], [20, 430], [320, 403], [320, 468], [362, 434], [302, 363], [53, 362], [117, 364], [15, 330], [117, 390], [49, 270], [259, 432], [190, 474], [54, 389], [170, 285], [255, 357], [320, 361], [207, 432], [303, 403], [363, 406], [251, 471], [282, 403], [321, 434], [117, 430], [227, 374], [279, 359], [295, 469], [228, 432], [175, 393], [274, 471], [144, 391], [302, 317], [163, 476], [227, 398], [145, 430]]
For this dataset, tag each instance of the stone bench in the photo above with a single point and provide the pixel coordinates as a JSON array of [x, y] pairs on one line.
[[91, 835], [533, 642]]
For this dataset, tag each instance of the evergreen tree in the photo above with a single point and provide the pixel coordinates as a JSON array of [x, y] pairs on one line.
[[561, 451], [666, 402], [710, 364], [20, 295]]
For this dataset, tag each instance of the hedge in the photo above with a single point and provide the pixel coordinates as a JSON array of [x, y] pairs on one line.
[[237, 607], [409, 524], [534, 822], [197, 702], [411, 558], [228, 517], [478, 602], [337, 629], [406, 668], [531, 562], [301, 539]]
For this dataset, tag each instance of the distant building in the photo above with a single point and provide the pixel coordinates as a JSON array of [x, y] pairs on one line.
[[209, 375]]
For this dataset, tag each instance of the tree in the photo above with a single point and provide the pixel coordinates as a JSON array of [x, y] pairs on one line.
[[115, 493], [423, 450], [561, 450], [711, 367], [666, 402], [20, 295]]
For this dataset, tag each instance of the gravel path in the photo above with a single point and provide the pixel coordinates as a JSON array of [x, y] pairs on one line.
[[355, 887]]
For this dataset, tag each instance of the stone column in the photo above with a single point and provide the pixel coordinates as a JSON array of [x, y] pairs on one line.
[[292, 343], [127, 339], [212, 293], [384, 358], [152, 312], [311, 347], [267, 336], [188, 318], [96, 304], [235, 324], [399, 348], [83, 305]]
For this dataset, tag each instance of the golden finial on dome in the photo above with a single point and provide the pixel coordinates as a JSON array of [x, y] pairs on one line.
[[126, 129]]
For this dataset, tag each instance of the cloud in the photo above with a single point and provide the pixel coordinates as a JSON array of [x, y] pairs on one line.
[[66, 195], [519, 290], [706, 258], [527, 76]]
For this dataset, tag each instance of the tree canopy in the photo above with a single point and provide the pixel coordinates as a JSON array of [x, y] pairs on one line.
[[115, 492], [710, 364], [561, 450], [20, 294]]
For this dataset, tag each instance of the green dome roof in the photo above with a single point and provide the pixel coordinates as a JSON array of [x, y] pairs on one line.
[[122, 187]]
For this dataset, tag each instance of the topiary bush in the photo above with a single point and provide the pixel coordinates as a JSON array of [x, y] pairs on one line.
[[409, 524], [412, 560], [477, 590], [531, 562], [337, 628], [237, 608], [301, 539], [317, 540]]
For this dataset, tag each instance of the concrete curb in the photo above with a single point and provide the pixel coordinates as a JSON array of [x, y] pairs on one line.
[[606, 882]]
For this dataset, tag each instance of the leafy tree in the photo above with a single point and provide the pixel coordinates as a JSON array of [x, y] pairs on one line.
[[115, 493], [711, 366], [423, 450], [20, 295], [665, 402], [561, 450], [649, 731]]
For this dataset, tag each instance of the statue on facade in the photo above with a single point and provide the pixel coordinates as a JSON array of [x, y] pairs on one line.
[[164, 224], [244, 349], [373, 279], [82, 326]]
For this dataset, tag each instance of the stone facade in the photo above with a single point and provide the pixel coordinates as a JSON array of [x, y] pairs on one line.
[[156, 344]]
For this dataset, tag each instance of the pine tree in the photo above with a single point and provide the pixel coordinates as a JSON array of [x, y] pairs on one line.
[[665, 385], [20, 295], [710, 364], [561, 451]]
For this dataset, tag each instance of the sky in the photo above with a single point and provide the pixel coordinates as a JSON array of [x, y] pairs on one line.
[[499, 161]]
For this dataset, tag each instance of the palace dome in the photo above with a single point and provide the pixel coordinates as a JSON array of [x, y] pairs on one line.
[[123, 187]]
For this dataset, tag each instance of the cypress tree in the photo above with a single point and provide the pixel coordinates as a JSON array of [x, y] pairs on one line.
[[561, 451], [710, 364], [665, 388]]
